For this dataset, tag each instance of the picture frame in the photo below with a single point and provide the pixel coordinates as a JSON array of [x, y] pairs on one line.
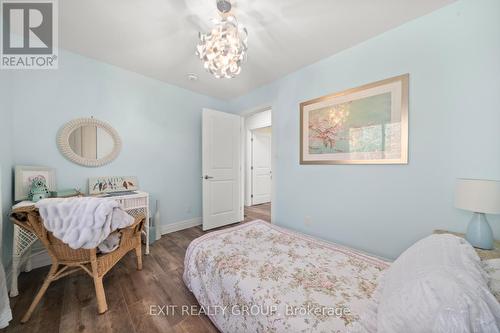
[[111, 184], [363, 125], [24, 176]]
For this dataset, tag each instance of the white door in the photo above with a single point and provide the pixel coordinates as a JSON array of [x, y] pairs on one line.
[[261, 166], [222, 177]]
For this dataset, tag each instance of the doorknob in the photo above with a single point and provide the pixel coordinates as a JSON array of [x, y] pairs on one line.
[[208, 177]]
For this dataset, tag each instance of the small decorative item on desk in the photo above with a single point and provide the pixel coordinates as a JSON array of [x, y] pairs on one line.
[[24, 177], [112, 184], [480, 197], [75, 192], [38, 190]]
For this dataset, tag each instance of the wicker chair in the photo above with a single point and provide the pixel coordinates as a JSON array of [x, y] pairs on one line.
[[66, 260]]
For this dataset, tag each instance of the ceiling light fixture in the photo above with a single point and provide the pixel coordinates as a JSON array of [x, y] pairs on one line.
[[223, 49]]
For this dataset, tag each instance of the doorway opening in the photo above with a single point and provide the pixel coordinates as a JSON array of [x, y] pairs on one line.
[[258, 165]]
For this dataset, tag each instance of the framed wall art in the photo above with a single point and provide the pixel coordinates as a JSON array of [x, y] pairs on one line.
[[364, 125]]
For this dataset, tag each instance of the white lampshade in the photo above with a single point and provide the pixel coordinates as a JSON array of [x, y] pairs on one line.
[[478, 195]]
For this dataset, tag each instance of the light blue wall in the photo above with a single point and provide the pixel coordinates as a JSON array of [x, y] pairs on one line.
[[5, 159], [160, 126], [453, 57]]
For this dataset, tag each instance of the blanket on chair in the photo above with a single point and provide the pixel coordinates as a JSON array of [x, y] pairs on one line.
[[84, 222]]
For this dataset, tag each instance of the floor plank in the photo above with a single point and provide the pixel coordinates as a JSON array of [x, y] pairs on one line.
[[70, 305]]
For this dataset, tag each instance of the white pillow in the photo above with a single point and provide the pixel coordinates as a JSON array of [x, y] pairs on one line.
[[492, 268], [437, 285]]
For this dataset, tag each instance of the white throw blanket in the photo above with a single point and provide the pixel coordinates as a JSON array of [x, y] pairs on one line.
[[84, 222]]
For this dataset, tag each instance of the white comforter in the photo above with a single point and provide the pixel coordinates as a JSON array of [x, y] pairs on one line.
[[257, 277]]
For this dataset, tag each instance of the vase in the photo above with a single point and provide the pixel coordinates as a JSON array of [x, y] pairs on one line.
[[157, 221]]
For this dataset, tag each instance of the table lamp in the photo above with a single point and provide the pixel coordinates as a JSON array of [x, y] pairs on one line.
[[480, 197]]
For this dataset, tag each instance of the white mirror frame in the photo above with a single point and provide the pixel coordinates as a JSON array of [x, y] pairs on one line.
[[65, 148]]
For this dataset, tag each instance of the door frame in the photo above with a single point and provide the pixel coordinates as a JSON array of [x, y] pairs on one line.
[[246, 149]]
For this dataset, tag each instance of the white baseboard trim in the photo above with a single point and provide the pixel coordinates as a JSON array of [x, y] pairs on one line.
[[181, 225]]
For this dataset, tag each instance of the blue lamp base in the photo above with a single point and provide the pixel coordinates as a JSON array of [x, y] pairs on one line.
[[479, 232]]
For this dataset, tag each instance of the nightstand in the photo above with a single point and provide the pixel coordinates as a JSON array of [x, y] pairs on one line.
[[483, 254]]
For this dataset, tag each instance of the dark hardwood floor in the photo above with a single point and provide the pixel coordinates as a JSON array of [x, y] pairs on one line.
[[70, 304]]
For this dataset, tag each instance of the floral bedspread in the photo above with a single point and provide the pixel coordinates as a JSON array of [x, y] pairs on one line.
[[257, 277]]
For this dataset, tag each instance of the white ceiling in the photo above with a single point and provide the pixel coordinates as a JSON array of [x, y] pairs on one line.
[[157, 38]]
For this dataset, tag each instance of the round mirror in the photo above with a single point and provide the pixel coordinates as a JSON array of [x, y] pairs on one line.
[[89, 142]]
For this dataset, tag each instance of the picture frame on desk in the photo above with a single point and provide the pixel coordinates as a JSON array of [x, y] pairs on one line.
[[111, 184], [24, 176]]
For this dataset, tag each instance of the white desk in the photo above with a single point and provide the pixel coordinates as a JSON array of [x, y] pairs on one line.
[[134, 204]]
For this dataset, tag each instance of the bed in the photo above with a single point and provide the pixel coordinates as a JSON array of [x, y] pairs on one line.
[[257, 277]]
